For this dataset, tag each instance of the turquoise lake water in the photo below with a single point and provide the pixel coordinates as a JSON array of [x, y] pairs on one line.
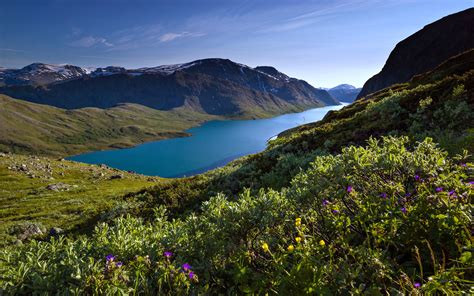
[[211, 145]]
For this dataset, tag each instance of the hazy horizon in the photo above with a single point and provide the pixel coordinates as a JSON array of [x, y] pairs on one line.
[[326, 43]]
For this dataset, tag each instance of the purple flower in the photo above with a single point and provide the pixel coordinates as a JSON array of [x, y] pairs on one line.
[[439, 189], [186, 266], [349, 189], [119, 264], [463, 165], [472, 183], [417, 178], [335, 211], [452, 192], [167, 254], [110, 257], [404, 210], [383, 195], [408, 194], [325, 202], [417, 285], [191, 275]]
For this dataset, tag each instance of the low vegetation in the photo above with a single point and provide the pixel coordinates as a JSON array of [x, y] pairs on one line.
[[38, 194], [382, 219]]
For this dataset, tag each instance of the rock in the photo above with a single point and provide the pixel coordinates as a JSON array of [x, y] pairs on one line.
[[104, 166], [119, 176], [27, 231], [23, 168], [2, 154], [55, 231], [58, 186]]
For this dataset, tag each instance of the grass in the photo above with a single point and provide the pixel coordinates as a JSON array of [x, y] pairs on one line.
[[91, 194]]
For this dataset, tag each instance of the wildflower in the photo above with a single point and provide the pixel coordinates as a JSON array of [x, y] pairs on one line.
[[326, 202], [383, 195], [463, 165], [452, 192], [298, 239], [335, 211], [298, 222], [349, 189], [322, 243], [417, 285], [290, 248], [168, 254], [471, 183], [191, 275], [265, 247], [430, 278], [404, 210], [439, 189], [110, 257], [417, 178], [119, 264], [186, 266], [408, 194]]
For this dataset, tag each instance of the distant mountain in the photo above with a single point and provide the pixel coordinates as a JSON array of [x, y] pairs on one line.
[[38, 73], [212, 86], [344, 92], [425, 50]]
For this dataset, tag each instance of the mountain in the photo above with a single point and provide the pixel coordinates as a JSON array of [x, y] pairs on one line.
[[212, 86], [425, 50], [344, 92], [39, 74]]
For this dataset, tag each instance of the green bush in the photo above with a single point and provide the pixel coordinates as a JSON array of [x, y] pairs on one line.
[[388, 218]]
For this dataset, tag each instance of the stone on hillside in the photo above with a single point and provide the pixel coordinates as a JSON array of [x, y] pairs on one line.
[[55, 231], [58, 186], [27, 231], [119, 176]]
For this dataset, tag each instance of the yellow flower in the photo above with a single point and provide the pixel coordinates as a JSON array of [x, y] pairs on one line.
[[298, 239], [265, 247], [290, 248], [298, 222], [322, 243]]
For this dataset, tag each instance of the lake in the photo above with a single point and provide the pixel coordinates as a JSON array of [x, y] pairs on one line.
[[211, 145]]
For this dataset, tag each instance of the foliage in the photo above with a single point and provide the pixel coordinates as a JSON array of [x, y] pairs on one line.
[[388, 218]]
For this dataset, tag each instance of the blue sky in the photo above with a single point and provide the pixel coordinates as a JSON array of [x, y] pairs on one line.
[[323, 42]]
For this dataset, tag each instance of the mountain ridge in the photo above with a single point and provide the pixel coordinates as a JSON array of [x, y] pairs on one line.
[[424, 50], [213, 86]]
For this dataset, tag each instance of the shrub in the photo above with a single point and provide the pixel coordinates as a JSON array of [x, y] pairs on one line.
[[382, 219]]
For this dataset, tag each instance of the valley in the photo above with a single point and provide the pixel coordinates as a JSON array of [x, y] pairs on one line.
[[212, 177]]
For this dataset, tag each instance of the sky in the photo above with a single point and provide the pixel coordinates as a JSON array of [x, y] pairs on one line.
[[323, 42]]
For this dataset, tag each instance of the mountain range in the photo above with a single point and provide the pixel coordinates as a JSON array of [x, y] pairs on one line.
[[344, 92], [211, 86]]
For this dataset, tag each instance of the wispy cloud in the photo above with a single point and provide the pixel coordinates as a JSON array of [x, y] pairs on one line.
[[172, 36], [89, 41], [12, 50]]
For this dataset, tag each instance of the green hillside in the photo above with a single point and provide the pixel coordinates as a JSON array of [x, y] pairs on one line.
[[362, 201], [38, 193]]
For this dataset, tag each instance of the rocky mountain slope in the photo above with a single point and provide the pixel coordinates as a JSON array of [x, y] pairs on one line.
[[212, 86], [344, 92], [425, 50]]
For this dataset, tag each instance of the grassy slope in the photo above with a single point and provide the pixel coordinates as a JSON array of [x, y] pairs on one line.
[[24, 195], [45, 130], [41, 129]]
